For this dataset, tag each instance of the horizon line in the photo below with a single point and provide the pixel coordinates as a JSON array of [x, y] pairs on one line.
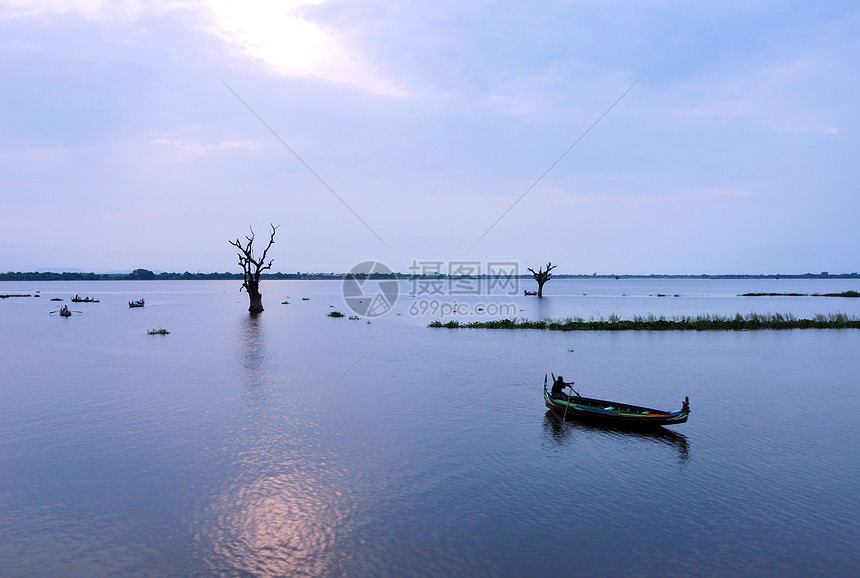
[[300, 274]]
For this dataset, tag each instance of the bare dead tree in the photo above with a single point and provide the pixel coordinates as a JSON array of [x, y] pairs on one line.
[[253, 267], [542, 276]]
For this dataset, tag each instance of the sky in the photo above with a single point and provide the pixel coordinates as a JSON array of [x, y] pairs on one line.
[[652, 137]]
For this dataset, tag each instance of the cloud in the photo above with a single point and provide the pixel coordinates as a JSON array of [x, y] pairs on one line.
[[801, 85], [721, 110], [781, 99], [680, 197], [97, 10], [199, 148], [27, 8], [109, 102], [278, 35], [275, 34]]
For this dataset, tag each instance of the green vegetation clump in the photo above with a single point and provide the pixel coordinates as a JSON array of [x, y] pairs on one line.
[[774, 295], [335, 314], [141, 275], [8, 296], [843, 294], [57, 299], [750, 322], [159, 331]]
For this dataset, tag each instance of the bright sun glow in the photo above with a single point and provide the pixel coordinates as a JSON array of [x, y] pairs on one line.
[[276, 33], [271, 32]]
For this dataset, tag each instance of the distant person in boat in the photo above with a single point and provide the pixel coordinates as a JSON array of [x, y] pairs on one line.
[[558, 386]]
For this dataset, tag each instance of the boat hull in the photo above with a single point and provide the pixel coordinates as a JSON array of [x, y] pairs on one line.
[[609, 412]]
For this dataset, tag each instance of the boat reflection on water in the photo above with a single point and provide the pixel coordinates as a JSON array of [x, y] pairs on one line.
[[562, 432]]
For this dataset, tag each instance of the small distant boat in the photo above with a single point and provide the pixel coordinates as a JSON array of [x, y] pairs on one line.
[[529, 292], [138, 303], [613, 413], [79, 299], [64, 311]]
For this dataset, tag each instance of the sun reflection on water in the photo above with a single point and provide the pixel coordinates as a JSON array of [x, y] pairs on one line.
[[279, 525]]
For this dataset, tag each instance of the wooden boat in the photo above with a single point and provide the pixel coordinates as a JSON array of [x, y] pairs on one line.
[[613, 413], [526, 292], [78, 299], [64, 311], [138, 303]]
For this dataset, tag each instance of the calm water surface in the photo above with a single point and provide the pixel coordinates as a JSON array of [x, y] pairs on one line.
[[296, 444]]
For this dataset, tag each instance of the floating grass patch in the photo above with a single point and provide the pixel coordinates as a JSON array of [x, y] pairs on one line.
[[774, 295], [57, 299], [750, 322], [10, 296], [335, 314], [306, 298], [843, 294], [159, 331], [285, 302]]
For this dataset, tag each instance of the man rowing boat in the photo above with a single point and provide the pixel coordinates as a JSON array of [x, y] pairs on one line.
[[558, 385]]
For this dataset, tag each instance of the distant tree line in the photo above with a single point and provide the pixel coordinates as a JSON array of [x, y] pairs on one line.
[[136, 275], [147, 275]]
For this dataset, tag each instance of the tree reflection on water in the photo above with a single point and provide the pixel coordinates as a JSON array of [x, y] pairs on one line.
[[251, 346]]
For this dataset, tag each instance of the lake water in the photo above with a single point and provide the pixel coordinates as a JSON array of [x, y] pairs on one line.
[[296, 444]]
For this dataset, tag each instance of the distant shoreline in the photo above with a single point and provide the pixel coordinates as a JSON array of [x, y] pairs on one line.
[[146, 275]]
